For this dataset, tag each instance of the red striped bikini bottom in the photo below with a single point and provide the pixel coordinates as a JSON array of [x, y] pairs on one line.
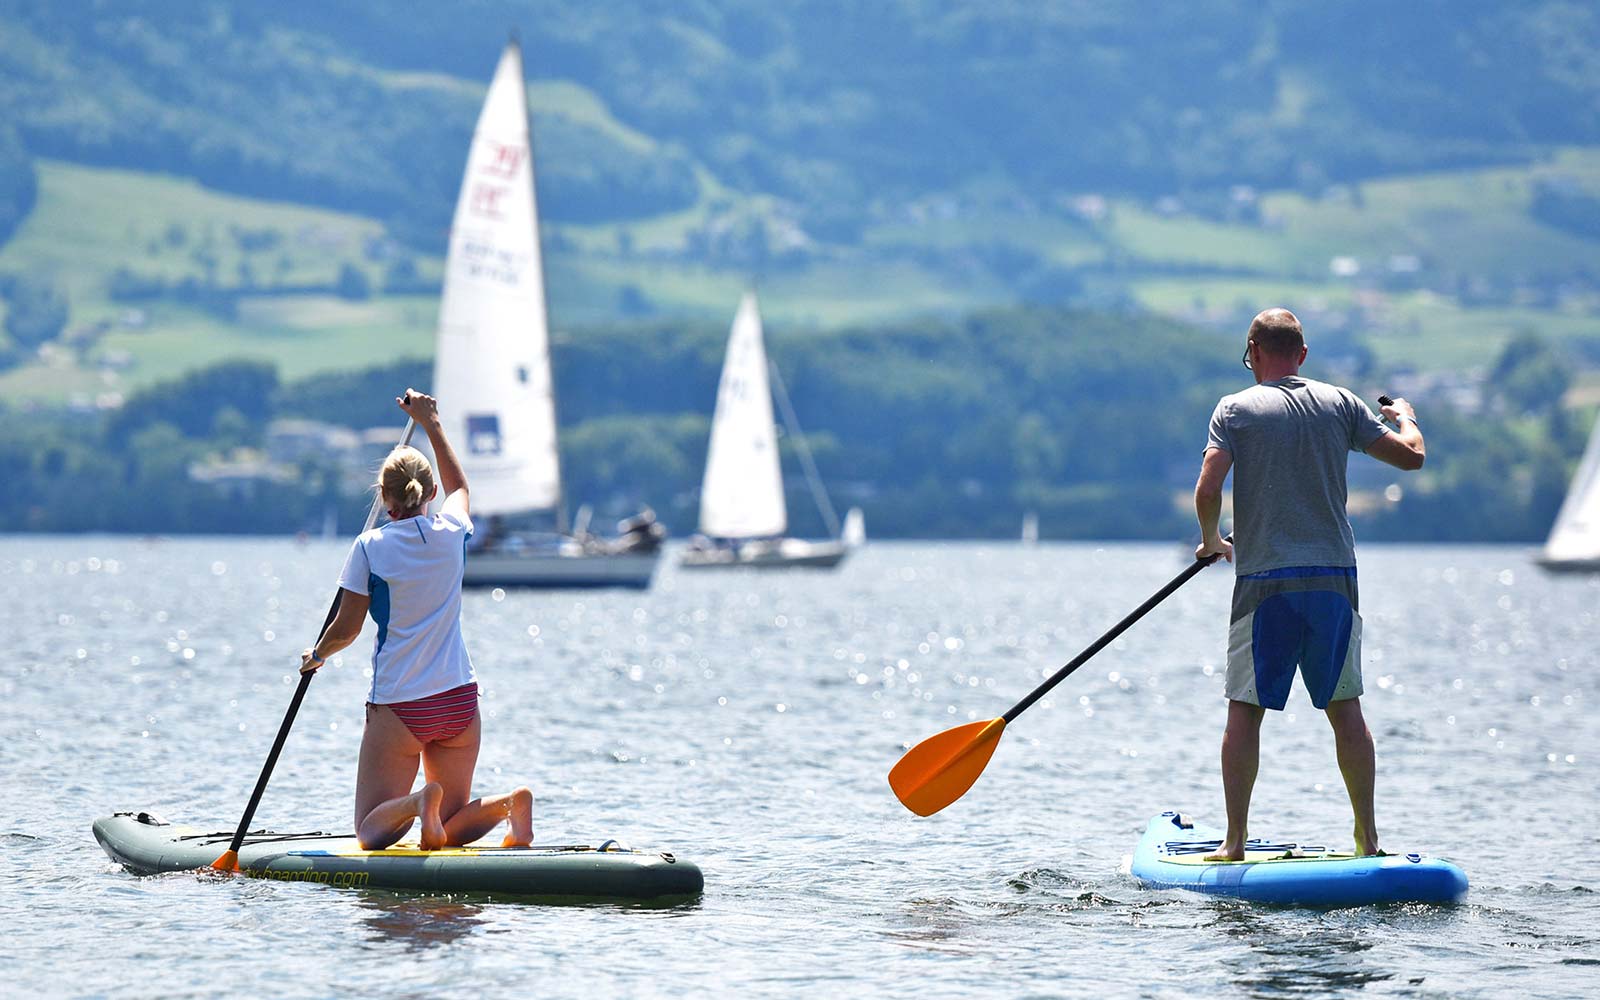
[[439, 716]]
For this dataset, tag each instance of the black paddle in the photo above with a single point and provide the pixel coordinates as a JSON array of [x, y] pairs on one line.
[[941, 768], [229, 861]]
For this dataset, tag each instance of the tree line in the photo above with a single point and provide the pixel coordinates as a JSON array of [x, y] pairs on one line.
[[940, 428]]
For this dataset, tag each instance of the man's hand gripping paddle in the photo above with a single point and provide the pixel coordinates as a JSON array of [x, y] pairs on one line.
[[229, 862], [941, 768]]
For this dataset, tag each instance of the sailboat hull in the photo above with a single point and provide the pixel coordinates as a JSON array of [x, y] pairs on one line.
[[558, 571], [786, 553], [1569, 565]]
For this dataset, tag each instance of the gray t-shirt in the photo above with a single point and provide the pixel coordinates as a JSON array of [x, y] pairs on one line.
[[1290, 440]]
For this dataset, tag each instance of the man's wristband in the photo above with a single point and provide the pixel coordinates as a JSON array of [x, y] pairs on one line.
[[1413, 420], [318, 660]]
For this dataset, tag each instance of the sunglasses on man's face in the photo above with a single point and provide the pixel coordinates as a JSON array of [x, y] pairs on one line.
[[1248, 344]]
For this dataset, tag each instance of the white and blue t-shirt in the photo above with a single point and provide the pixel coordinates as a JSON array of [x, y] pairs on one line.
[[411, 570]]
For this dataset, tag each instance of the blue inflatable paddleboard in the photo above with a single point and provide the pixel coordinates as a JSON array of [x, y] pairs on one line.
[[1170, 853]]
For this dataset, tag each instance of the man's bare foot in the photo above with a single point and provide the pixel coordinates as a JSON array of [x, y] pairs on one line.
[[1228, 850], [519, 813], [428, 799], [1366, 844]]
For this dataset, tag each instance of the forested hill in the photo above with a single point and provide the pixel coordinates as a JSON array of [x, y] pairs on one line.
[[833, 106]]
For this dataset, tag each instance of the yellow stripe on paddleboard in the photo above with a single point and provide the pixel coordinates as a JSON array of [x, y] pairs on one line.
[[458, 852], [411, 852], [1254, 858]]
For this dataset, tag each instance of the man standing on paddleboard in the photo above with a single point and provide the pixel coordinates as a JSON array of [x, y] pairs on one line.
[[1287, 440]]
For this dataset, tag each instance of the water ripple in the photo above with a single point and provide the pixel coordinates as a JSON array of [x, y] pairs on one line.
[[747, 722]]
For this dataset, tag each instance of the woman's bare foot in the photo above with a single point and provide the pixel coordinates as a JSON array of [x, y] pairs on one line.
[[1366, 844], [519, 814], [428, 799]]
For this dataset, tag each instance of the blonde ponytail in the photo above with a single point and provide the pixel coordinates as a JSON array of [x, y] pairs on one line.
[[406, 481]]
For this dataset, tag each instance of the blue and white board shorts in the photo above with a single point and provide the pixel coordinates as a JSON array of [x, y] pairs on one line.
[[1299, 616]]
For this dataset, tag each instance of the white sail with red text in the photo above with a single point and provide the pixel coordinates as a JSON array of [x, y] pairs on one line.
[[492, 363]]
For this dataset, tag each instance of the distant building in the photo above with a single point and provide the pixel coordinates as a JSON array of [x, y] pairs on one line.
[[302, 443], [243, 475], [1090, 207], [114, 359], [296, 441], [377, 442]]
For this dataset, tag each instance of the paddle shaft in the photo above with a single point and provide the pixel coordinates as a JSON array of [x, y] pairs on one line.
[[1103, 641], [1122, 626], [305, 682]]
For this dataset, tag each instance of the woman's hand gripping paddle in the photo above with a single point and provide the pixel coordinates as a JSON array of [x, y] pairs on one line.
[[229, 862], [941, 768]]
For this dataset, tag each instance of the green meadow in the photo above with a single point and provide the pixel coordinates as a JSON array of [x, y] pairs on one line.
[[1412, 251]]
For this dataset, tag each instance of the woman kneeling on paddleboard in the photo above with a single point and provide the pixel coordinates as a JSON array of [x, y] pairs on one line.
[[424, 700]]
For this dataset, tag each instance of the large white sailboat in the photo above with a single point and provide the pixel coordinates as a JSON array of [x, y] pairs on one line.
[[1574, 543], [743, 515], [492, 370]]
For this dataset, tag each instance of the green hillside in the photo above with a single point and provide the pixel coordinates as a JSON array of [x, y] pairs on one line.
[[262, 276], [1419, 195], [90, 224], [828, 105], [972, 226], [240, 277]]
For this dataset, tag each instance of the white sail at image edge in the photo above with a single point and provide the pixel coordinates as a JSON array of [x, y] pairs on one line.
[[492, 364], [1576, 534], [742, 494]]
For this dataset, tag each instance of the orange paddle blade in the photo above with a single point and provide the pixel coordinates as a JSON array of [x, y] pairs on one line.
[[229, 862], [941, 768]]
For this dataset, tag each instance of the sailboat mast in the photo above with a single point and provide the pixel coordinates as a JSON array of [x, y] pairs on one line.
[[813, 477], [562, 524]]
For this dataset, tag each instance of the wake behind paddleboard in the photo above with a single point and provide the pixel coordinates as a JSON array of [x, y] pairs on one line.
[[146, 845], [1171, 852]]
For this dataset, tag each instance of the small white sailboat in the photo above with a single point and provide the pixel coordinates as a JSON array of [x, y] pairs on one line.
[[743, 514], [1030, 528], [854, 534], [1574, 542], [492, 370]]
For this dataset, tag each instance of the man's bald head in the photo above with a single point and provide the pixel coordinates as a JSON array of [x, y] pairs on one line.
[[1278, 333]]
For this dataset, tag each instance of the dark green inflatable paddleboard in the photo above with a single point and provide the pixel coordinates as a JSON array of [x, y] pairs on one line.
[[146, 844]]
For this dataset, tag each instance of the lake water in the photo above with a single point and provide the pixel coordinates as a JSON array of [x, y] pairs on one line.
[[747, 722]]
